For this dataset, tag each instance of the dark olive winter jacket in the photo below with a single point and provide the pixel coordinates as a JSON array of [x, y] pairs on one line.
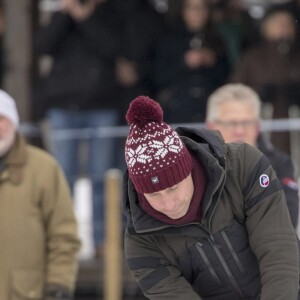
[[284, 167], [245, 246]]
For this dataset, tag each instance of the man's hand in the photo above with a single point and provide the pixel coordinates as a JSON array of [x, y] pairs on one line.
[[196, 58], [56, 292], [126, 72]]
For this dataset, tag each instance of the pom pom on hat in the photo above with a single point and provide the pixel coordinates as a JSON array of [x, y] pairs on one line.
[[155, 156], [143, 110]]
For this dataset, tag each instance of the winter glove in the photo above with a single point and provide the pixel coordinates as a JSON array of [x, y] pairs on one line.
[[56, 292]]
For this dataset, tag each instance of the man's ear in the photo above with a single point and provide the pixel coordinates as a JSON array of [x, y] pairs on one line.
[[258, 127]]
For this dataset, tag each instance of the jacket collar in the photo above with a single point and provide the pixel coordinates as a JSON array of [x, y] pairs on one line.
[[264, 144], [14, 161]]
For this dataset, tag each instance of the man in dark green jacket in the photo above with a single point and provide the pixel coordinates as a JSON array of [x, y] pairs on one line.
[[206, 220]]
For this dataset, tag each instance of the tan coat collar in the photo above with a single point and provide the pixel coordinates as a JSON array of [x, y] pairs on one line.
[[16, 158]]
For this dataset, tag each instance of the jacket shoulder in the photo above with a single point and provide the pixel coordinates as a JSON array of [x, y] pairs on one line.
[[40, 155], [39, 159], [241, 161]]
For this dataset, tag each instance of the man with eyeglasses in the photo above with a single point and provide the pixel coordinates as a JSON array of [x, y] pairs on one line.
[[234, 110]]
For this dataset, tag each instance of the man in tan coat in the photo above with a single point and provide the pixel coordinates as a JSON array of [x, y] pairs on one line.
[[38, 234]]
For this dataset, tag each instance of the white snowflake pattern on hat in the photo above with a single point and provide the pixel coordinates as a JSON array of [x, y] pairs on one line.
[[137, 155], [167, 145]]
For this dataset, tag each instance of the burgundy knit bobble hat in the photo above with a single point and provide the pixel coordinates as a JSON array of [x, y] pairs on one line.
[[155, 155]]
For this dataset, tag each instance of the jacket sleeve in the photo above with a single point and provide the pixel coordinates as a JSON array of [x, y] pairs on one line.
[[271, 234], [292, 200], [157, 277], [285, 173], [62, 243]]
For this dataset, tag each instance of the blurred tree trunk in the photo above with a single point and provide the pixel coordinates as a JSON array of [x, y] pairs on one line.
[[18, 67]]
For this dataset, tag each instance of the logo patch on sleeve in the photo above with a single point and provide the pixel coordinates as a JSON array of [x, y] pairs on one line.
[[264, 180]]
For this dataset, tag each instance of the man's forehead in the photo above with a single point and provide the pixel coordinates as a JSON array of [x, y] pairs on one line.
[[236, 109]]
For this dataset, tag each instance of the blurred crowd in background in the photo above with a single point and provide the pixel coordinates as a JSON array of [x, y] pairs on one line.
[[105, 53]]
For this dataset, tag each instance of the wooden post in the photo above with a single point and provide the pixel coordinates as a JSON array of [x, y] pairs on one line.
[[113, 263]]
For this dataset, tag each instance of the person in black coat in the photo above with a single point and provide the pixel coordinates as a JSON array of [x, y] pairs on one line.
[[141, 27], [82, 41], [79, 92], [190, 63]]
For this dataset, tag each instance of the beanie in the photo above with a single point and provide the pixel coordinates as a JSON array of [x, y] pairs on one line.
[[155, 156], [8, 108]]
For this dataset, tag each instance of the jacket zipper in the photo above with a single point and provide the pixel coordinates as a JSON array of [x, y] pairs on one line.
[[214, 191], [233, 253], [227, 270]]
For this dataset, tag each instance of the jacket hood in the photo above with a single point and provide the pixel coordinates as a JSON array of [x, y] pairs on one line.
[[208, 147], [211, 138]]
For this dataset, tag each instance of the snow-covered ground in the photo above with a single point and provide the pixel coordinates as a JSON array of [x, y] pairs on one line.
[[83, 212]]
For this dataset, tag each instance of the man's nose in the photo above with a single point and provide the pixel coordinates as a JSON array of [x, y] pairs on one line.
[[239, 128]]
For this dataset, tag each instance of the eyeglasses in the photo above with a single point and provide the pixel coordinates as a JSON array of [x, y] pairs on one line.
[[247, 124]]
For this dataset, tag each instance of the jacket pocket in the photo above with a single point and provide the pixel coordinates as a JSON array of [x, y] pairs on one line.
[[27, 285], [207, 263]]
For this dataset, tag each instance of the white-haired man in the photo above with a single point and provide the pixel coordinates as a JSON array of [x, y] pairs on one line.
[[234, 110], [38, 235]]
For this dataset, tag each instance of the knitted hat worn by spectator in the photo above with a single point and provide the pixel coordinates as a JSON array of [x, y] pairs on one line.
[[155, 155], [8, 108]]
